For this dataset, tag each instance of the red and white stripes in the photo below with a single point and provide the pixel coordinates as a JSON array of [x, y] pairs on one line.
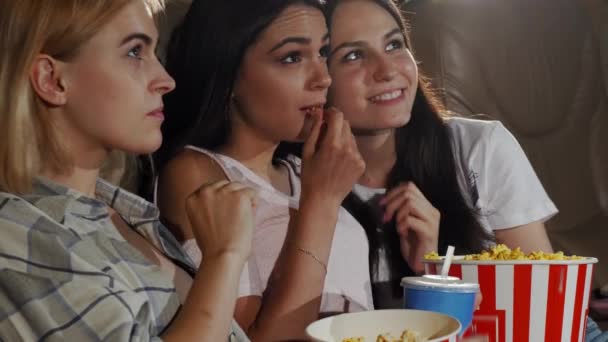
[[528, 301]]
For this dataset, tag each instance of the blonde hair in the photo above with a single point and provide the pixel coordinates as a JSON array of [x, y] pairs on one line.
[[28, 28]]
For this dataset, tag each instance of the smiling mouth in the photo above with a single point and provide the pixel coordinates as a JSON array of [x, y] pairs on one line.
[[388, 96]]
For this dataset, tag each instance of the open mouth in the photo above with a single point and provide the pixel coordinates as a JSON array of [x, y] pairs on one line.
[[388, 96], [313, 110]]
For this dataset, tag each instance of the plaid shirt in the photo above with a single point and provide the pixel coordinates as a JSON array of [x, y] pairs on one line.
[[67, 274]]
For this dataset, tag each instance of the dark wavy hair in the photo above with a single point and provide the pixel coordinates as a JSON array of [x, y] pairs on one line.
[[425, 157], [204, 55]]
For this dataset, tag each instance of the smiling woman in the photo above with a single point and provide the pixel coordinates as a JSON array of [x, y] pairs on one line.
[[431, 179], [81, 259]]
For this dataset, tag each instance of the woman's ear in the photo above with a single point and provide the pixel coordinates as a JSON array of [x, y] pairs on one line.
[[46, 79]]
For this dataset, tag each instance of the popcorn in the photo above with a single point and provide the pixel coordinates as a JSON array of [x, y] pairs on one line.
[[432, 256], [502, 252], [535, 296], [406, 336]]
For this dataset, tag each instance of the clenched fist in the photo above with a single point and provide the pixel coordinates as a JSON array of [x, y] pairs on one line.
[[221, 215]]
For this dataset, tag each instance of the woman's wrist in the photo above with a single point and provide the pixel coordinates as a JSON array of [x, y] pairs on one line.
[[227, 257], [318, 212], [319, 201]]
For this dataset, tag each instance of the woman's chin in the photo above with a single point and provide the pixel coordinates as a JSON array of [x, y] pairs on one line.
[[394, 121], [144, 147], [380, 126], [403, 121]]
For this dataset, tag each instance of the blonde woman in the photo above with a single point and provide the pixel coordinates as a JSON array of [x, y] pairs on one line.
[[81, 259]]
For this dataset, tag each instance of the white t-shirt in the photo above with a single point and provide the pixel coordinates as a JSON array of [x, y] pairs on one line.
[[347, 283], [494, 175]]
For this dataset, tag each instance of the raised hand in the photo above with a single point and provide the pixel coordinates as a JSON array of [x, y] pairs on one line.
[[331, 163], [416, 220], [221, 215]]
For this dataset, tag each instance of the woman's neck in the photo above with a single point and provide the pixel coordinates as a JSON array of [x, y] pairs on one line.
[[85, 155], [252, 151], [80, 179], [378, 151]]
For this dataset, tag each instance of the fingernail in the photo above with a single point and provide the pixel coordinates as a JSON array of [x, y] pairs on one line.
[[382, 200], [385, 218]]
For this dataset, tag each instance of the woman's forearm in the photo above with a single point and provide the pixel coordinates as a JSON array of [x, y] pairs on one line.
[[293, 296], [209, 308]]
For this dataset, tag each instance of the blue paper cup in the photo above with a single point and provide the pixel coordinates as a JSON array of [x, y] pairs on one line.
[[449, 295]]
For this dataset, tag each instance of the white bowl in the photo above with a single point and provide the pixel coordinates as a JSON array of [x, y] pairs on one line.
[[433, 326]]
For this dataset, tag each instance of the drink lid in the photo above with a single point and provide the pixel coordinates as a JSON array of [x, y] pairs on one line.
[[452, 284]]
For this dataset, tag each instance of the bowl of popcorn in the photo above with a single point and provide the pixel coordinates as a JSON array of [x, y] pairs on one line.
[[397, 325], [526, 296]]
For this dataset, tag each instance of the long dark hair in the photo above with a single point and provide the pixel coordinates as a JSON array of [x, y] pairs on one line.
[[204, 56], [425, 157]]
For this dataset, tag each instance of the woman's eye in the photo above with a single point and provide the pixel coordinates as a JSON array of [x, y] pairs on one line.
[[135, 52], [352, 56], [291, 58], [324, 52], [395, 45]]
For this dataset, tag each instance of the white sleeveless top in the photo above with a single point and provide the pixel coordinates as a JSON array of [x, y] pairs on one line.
[[347, 284]]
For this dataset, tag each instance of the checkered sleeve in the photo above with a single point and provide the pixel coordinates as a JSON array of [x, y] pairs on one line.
[[48, 294], [36, 308]]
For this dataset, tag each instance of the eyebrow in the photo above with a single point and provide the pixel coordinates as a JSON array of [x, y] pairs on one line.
[[359, 43], [135, 36], [297, 40], [392, 32]]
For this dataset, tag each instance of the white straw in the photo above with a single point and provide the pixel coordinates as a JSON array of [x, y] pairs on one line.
[[447, 262]]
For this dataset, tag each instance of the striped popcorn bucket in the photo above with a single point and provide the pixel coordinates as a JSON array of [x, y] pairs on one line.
[[527, 300]]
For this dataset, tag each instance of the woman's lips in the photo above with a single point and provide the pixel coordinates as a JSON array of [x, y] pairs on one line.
[[157, 113], [388, 97], [313, 110]]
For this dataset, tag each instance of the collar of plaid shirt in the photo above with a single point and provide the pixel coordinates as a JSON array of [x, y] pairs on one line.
[[59, 246]]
